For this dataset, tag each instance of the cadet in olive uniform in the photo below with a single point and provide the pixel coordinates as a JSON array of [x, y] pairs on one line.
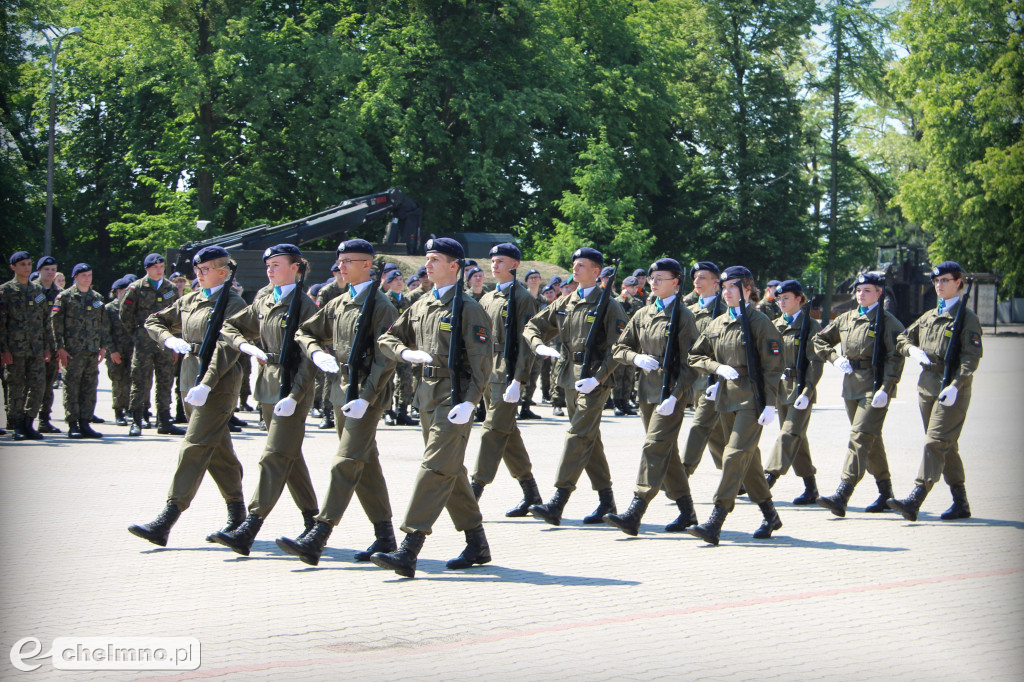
[[943, 408], [119, 372], [792, 447], [423, 335], [356, 465], [144, 297], [500, 438], [720, 350], [570, 319], [625, 375], [768, 305], [644, 344], [404, 382], [81, 336], [210, 403], [47, 269], [328, 293], [849, 343], [26, 345], [532, 282]]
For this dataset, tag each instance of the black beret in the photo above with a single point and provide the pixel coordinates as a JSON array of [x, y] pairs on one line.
[[470, 262], [176, 275], [315, 289], [736, 272], [704, 265], [870, 278], [547, 288], [589, 254], [195, 283], [80, 267], [210, 253], [119, 284], [772, 283], [607, 271], [532, 271], [44, 261], [389, 266], [790, 286], [356, 246], [446, 246], [631, 281], [129, 278], [555, 279], [947, 268], [421, 272], [413, 279], [152, 259], [282, 250], [667, 265], [507, 249], [472, 271], [391, 275], [335, 268], [19, 256], [639, 272], [33, 277]]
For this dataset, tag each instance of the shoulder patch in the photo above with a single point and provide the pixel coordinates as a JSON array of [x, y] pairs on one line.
[[974, 338], [481, 333], [40, 298], [773, 346], [620, 325]]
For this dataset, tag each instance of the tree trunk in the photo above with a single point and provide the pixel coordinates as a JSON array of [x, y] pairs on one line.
[[833, 216]]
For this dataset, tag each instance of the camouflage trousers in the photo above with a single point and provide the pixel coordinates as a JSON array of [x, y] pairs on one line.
[[147, 362], [46, 406], [245, 362], [81, 378], [623, 383], [25, 378], [404, 384], [120, 381]]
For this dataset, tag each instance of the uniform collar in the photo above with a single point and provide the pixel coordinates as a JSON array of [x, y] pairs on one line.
[[947, 304], [707, 302], [583, 294], [791, 320], [154, 283], [355, 289], [281, 293], [209, 293], [441, 293]]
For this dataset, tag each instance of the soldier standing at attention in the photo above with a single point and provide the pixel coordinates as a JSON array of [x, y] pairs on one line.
[[264, 321], [210, 403], [644, 344], [423, 335], [356, 465], [26, 345], [47, 269], [500, 438], [404, 383], [475, 282], [791, 447], [144, 297], [943, 408], [570, 319], [768, 305], [849, 344], [720, 350], [81, 336], [118, 372]]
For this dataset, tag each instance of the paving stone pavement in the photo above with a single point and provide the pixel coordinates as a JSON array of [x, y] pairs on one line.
[[866, 597]]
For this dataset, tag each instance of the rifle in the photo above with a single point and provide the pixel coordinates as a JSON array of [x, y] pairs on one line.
[[753, 358], [288, 357], [511, 333], [878, 352], [212, 334], [670, 362], [801, 357], [596, 333], [364, 332], [455, 348], [952, 355], [715, 312]]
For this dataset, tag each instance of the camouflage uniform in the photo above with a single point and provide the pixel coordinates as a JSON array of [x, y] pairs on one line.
[[770, 308], [52, 367], [120, 342], [25, 333], [79, 324], [140, 301]]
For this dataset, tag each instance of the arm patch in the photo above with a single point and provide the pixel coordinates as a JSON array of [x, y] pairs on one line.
[[481, 334], [975, 339], [773, 346]]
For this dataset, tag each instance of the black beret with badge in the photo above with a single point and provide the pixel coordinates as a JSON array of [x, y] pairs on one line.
[[445, 246], [151, 260], [506, 249], [736, 272], [80, 268], [209, 253], [44, 261], [588, 253], [704, 265], [790, 286], [356, 246], [667, 265], [19, 256], [947, 268], [281, 250], [870, 278], [631, 281]]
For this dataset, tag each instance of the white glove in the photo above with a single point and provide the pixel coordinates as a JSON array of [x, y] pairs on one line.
[[801, 403], [667, 406], [326, 362], [285, 407], [948, 396], [179, 346], [767, 416], [355, 409], [880, 399], [252, 350], [197, 395], [918, 355], [843, 365], [645, 362], [547, 352], [727, 372], [512, 393], [587, 385], [461, 413], [712, 391], [417, 357]]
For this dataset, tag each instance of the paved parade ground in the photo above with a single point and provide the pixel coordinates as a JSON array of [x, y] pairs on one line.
[[870, 596]]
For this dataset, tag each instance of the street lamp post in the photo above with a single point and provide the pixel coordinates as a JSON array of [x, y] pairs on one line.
[[54, 49]]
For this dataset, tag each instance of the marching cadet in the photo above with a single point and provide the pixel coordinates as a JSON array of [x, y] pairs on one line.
[[210, 403], [792, 447], [47, 269], [81, 336], [118, 372], [943, 408], [398, 414], [356, 465], [423, 335], [26, 345], [330, 291], [849, 344], [644, 344], [500, 438], [768, 305], [265, 320], [144, 297], [570, 319], [720, 350], [624, 375]]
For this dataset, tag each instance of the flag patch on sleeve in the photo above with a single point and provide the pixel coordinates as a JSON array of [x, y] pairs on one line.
[[773, 346], [481, 334]]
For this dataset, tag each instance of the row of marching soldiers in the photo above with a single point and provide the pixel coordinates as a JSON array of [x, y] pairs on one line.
[[743, 369]]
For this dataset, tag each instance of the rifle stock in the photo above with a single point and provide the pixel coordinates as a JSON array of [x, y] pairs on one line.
[[951, 358], [753, 358], [511, 351], [801, 356], [878, 352], [289, 354], [455, 348], [364, 331], [596, 334], [210, 338], [670, 362]]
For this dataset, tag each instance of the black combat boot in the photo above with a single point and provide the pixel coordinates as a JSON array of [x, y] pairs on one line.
[[627, 409], [179, 412], [960, 509], [87, 431], [810, 494], [236, 515], [165, 425], [240, 539], [385, 542], [390, 418], [244, 406], [526, 413], [478, 489], [480, 413], [477, 552], [30, 433], [531, 496], [605, 505], [770, 479], [147, 419], [687, 516], [310, 547], [74, 432], [403, 560], [771, 522], [629, 523], [97, 420], [136, 427], [158, 530], [119, 419], [308, 521], [403, 418], [619, 410], [884, 494], [909, 507], [327, 422], [836, 503], [45, 426], [710, 530], [15, 424], [552, 511], [262, 426]]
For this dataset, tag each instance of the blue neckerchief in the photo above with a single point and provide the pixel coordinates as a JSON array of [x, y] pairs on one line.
[[942, 305], [734, 313], [862, 310], [207, 293], [156, 285], [787, 318], [580, 292], [436, 295], [659, 304], [277, 293]]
